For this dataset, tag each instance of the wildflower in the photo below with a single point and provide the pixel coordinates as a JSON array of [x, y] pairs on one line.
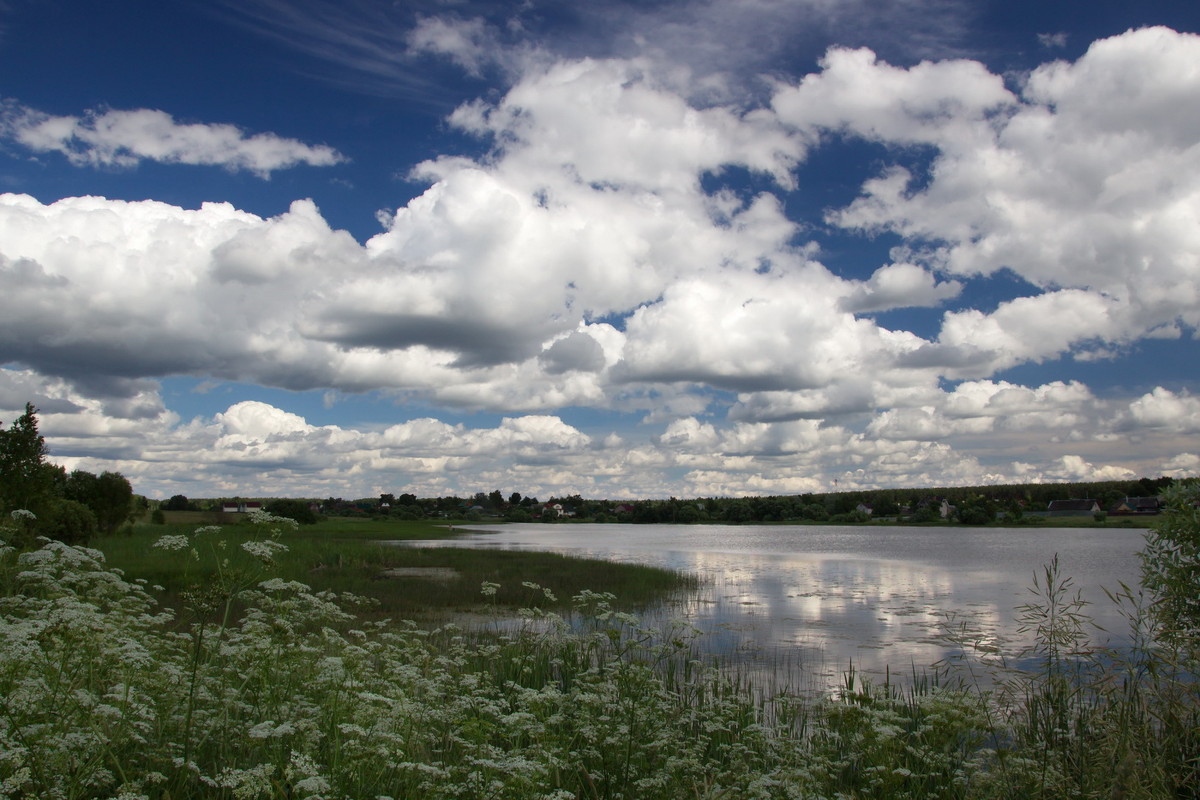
[[264, 518], [264, 550], [488, 589], [269, 730], [23, 514], [172, 542]]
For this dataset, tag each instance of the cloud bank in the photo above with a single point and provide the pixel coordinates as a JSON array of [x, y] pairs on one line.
[[595, 258]]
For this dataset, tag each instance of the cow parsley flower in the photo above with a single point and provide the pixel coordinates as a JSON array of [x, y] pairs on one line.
[[265, 549], [172, 542]]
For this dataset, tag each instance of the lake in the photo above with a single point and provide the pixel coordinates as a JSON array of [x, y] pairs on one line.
[[820, 599]]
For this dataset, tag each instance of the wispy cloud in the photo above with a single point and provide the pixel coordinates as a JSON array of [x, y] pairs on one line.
[[712, 48]]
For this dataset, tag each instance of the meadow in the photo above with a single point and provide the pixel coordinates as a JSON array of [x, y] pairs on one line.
[[254, 674]]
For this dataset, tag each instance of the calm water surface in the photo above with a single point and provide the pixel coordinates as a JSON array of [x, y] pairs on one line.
[[823, 598]]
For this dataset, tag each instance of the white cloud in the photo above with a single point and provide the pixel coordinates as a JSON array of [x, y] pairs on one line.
[[469, 43], [1184, 465], [754, 332], [1075, 468], [933, 102], [116, 138], [1086, 185], [583, 263], [900, 286], [1167, 411]]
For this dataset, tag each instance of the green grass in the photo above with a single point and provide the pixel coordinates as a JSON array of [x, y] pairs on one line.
[[355, 556], [104, 695]]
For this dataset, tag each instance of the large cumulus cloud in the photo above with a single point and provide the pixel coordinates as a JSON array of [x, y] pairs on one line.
[[594, 256], [1082, 181]]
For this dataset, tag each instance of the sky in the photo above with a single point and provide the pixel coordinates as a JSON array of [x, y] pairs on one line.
[[691, 248]]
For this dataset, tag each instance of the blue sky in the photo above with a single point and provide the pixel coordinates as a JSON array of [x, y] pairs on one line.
[[616, 249]]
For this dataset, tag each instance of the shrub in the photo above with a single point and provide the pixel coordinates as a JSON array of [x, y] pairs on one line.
[[67, 521], [1171, 563]]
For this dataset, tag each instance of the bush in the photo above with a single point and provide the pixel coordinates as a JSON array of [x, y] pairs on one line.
[[1171, 563], [297, 510], [67, 521]]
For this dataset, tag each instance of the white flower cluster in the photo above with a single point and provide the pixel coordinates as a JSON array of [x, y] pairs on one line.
[[296, 698], [264, 550]]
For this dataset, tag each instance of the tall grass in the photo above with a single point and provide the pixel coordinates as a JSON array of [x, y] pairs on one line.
[[105, 694]]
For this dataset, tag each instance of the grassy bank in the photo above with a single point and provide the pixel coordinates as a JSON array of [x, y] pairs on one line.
[[356, 556]]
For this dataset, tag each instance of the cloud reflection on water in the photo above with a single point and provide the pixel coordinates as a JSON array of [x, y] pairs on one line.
[[814, 601]]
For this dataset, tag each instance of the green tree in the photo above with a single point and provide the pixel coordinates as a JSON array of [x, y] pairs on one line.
[[975, 509], [177, 502], [26, 481], [1171, 563], [109, 496], [297, 510]]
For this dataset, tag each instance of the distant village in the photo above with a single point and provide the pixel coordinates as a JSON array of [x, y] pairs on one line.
[[976, 505]]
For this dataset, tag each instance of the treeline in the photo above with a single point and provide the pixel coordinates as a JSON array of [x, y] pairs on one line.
[[1012, 503], [71, 507], [1015, 503]]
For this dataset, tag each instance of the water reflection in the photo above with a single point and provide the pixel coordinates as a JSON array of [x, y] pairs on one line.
[[817, 600]]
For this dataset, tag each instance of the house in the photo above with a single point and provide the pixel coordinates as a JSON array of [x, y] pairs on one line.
[[1137, 505], [1073, 508], [865, 508], [940, 504], [240, 506]]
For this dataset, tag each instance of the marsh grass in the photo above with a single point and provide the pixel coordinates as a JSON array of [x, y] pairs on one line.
[[103, 694], [357, 556]]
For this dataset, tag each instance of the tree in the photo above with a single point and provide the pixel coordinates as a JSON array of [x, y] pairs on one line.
[[298, 510], [26, 481], [109, 496], [975, 510], [177, 502], [1171, 563]]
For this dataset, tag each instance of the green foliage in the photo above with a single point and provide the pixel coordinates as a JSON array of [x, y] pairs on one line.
[[71, 508], [977, 509], [299, 510], [26, 481], [67, 521], [1171, 563], [109, 496], [178, 502], [103, 694]]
